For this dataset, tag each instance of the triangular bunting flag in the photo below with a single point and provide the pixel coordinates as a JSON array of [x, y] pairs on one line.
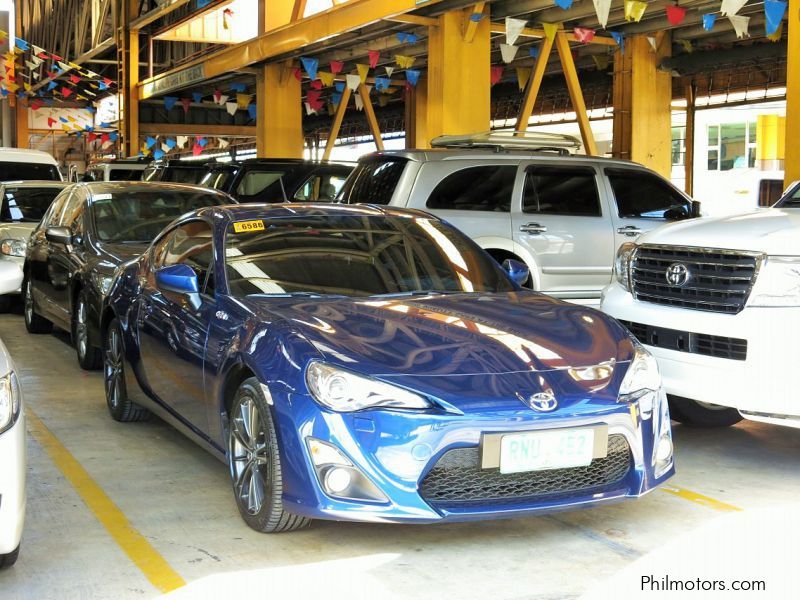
[[675, 14], [497, 74], [619, 37], [564, 4], [584, 34], [243, 101], [404, 62], [326, 78], [359, 103], [389, 71], [514, 28], [741, 25], [709, 20], [311, 65], [336, 66], [653, 43], [508, 52], [523, 75], [773, 11], [169, 102], [231, 107], [731, 7], [634, 10], [187, 103], [550, 30], [181, 141], [602, 8], [374, 57], [353, 81], [412, 75], [363, 71], [223, 143]]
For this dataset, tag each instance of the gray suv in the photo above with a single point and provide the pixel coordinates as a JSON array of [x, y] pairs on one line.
[[562, 215]]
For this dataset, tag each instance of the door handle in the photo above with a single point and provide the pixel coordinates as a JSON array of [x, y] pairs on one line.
[[532, 228], [630, 231]]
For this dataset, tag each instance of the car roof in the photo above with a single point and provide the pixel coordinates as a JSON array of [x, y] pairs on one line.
[[111, 187], [443, 154], [26, 155], [243, 212], [32, 183]]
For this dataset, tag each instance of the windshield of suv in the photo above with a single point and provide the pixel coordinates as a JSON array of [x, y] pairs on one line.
[[373, 181], [356, 255], [26, 204], [20, 171], [116, 174], [139, 216], [791, 199]]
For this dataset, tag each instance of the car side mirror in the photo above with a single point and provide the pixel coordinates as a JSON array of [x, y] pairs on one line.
[[180, 280], [696, 213], [59, 235], [518, 271]]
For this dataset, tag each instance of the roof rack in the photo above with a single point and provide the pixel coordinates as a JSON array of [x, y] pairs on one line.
[[511, 140]]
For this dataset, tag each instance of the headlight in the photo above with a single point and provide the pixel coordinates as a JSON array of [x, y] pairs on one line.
[[622, 264], [11, 247], [777, 283], [10, 401], [102, 282], [642, 381], [344, 391]]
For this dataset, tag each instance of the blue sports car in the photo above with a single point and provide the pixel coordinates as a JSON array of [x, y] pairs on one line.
[[373, 364]]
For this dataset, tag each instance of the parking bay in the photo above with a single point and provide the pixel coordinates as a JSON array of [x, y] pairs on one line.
[[141, 511]]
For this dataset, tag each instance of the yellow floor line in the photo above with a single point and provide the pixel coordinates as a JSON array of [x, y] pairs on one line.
[[133, 543], [700, 499]]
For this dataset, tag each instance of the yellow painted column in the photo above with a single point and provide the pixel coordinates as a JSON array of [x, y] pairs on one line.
[[459, 87], [23, 131], [643, 104], [792, 171], [279, 12], [770, 142], [279, 122]]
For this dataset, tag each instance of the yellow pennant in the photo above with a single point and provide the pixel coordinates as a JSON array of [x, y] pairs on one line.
[[404, 62], [326, 78], [523, 75], [243, 101], [687, 46], [550, 30], [363, 71], [634, 10]]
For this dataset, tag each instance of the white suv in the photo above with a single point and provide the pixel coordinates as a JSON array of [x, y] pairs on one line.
[[717, 301], [562, 215]]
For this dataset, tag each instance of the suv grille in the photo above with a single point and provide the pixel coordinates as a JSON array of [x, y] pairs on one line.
[[687, 341], [457, 478], [717, 280]]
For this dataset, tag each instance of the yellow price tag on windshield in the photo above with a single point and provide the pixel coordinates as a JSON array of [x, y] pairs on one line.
[[248, 226]]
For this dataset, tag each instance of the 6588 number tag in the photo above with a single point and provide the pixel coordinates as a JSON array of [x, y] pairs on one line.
[[248, 226]]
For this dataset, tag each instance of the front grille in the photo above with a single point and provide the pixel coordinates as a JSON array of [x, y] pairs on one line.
[[458, 479], [718, 280], [686, 341]]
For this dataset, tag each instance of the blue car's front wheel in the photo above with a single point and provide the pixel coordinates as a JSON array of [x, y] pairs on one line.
[[255, 463]]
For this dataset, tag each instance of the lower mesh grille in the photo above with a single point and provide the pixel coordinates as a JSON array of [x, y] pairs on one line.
[[457, 478]]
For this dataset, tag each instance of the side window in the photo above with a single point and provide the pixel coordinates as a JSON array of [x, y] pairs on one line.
[[640, 194], [72, 214], [570, 191], [53, 214], [320, 188], [374, 181], [257, 182], [190, 244], [486, 188]]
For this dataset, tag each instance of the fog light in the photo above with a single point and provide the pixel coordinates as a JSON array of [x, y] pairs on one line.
[[664, 449], [337, 480]]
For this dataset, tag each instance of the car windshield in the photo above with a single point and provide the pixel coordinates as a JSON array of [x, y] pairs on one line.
[[122, 174], [139, 216], [26, 204], [21, 171], [175, 174], [791, 199], [355, 255]]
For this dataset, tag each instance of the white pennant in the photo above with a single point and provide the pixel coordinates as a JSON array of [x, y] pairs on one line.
[[513, 28], [182, 140], [359, 103], [741, 25], [389, 71], [731, 7], [231, 107], [36, 49], [602, 8], [309, 110], [353, 81], [165, 148], [653, 43], [64, 66], [223, 100], [223, 143], [508, 52]]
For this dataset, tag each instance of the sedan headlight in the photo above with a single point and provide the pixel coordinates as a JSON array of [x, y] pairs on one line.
[[642, 382], [344, 391], [622, 264], [777, 283], [102, 282], [13, 247], [10, 401]]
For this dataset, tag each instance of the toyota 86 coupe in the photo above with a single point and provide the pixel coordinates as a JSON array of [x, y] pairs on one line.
[[373, 364]]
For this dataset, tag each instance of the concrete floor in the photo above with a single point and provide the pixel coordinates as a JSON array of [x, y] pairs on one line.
[[178, 497]]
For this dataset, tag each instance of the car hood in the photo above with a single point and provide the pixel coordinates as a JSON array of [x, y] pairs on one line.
[[772, 231], [16, 231]]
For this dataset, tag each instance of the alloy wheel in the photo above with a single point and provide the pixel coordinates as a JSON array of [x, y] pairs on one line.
[[81, 329], [28, 302], [113, 367], [249, 456]]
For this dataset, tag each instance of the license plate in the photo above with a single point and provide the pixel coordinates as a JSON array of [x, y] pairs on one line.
[[542, 450]]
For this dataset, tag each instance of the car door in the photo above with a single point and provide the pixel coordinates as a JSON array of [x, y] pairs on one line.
[[475, 198], [64, 260], [39, 252], [640, 201], [172, 334], [562, 224]]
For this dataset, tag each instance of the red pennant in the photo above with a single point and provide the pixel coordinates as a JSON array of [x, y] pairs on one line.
[[187, 102], [36, 104], [336, 66], [217, 96], [497, 73], [9, 69], [197, 150], [66, 91], [104, 138], [42, 55], [374, 57], [316, 84], [74, 78], [298, 74], [583, 34], [676, 14], [107, 81], [313, 96], [51, 74], [56, 57], [51, 121], [92, 137]]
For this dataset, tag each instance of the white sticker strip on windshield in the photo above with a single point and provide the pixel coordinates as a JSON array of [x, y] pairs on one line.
[[102, 197]]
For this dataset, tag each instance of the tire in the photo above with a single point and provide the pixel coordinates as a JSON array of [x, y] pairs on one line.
[[8, 560], [255, 463], [120, 407], [5, 304], [699, 414], [33, 322], [90, 358]]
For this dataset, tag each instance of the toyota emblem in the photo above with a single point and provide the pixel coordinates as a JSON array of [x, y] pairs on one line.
[[542, 402], [677, 274]]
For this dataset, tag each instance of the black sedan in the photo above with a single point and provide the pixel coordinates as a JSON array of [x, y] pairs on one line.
[[89, 230]]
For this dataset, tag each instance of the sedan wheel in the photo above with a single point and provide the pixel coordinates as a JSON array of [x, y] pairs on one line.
[[89, 357], [255, 464], [33, 322], [120, 407]]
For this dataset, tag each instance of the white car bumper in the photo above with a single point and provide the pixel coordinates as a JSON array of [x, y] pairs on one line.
[[762, 386], [12, 485], [11, 274]]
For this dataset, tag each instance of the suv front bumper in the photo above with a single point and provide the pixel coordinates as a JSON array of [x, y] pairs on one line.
[[761, 386], [12, 485]]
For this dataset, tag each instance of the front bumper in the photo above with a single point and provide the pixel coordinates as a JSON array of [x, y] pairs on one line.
[[761, 387], [11, 274], [396, 450], [12, 485]]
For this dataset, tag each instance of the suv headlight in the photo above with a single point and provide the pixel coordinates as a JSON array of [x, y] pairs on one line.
[[344, 391], [10, 401], [13, 247], [777, 283], [642, 382], [622, 264], [102, 282]]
